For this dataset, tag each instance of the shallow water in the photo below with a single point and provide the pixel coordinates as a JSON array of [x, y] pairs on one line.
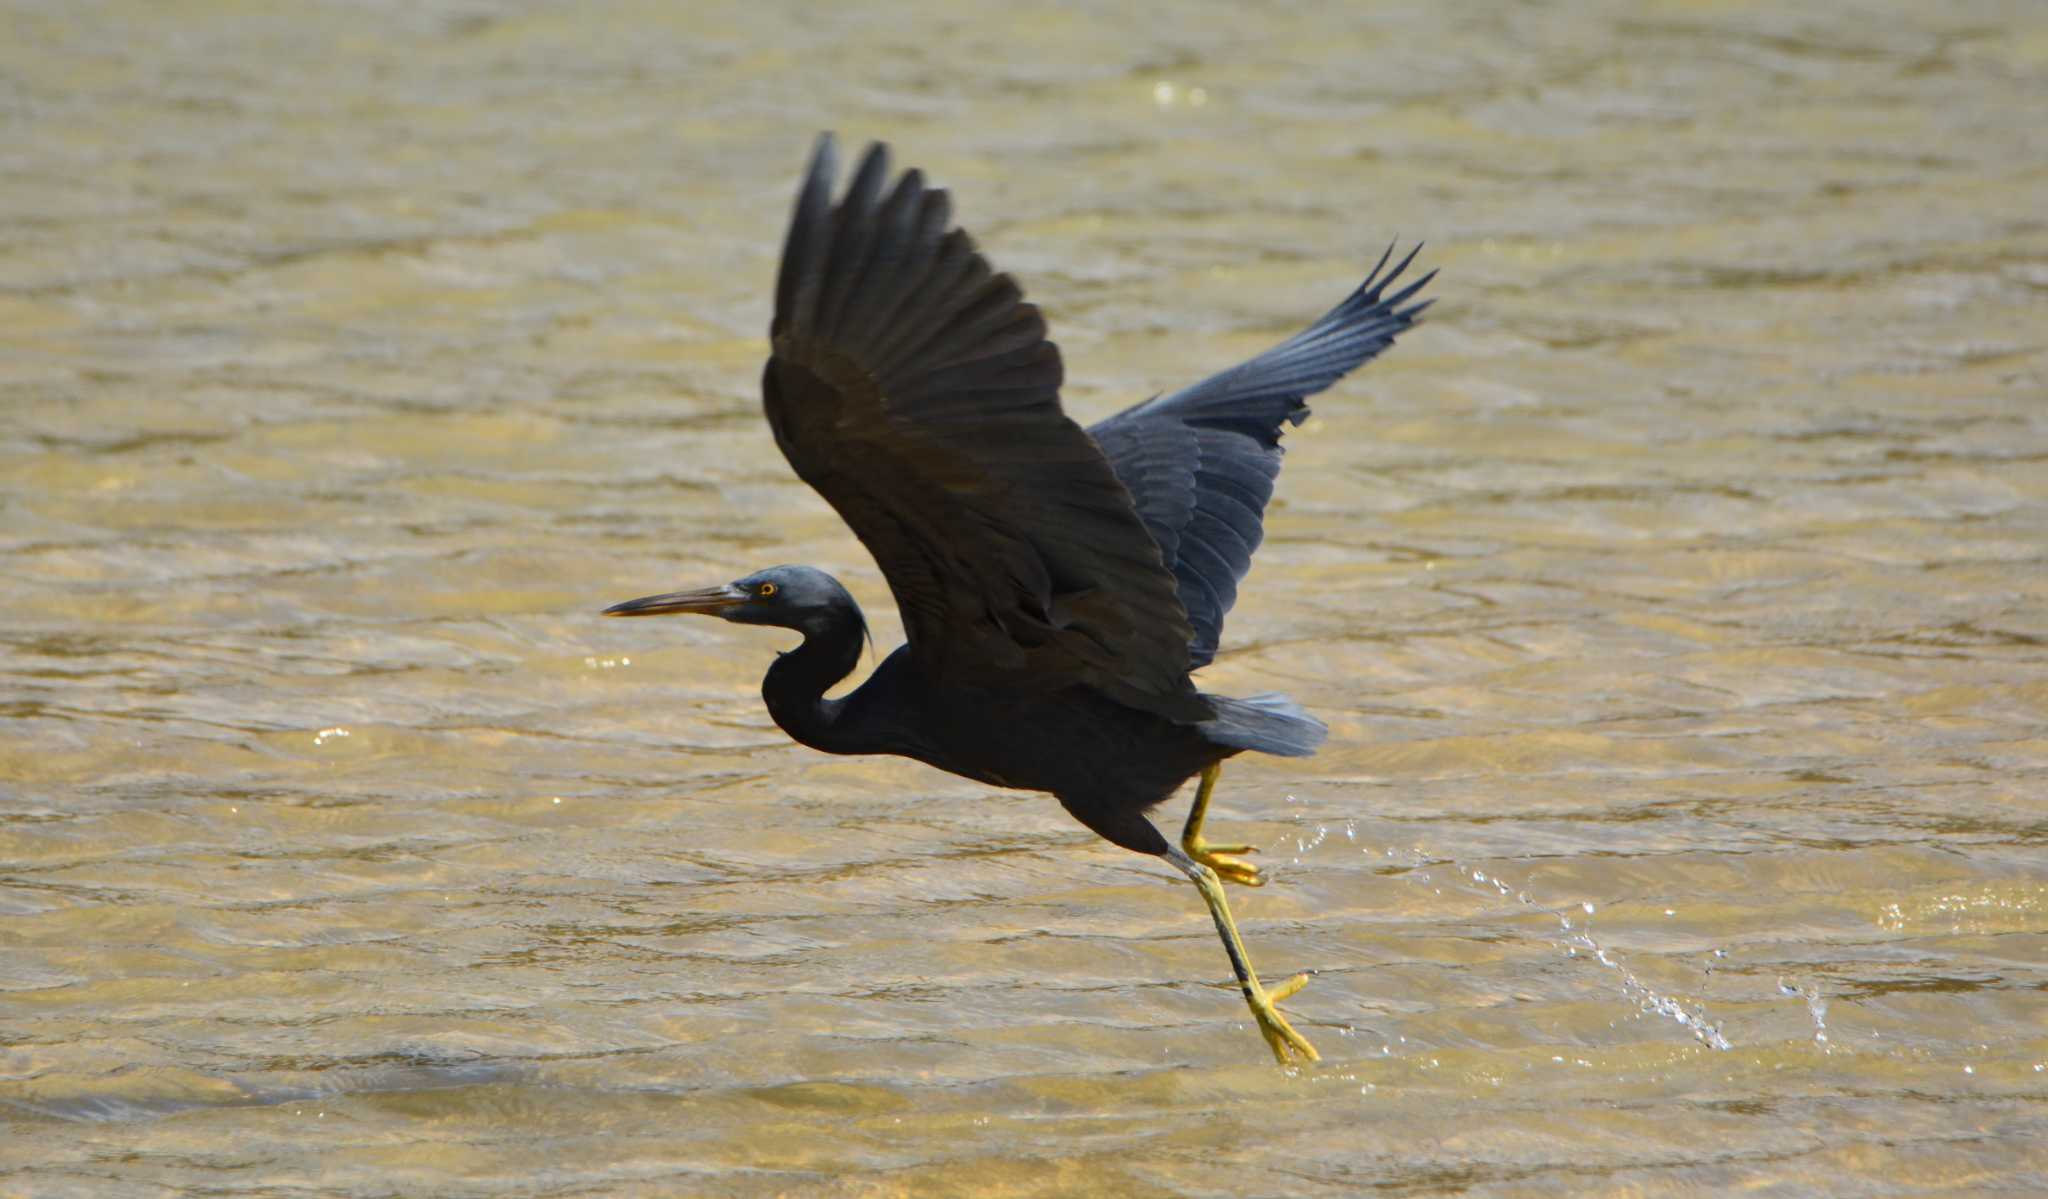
[[1676, 597]]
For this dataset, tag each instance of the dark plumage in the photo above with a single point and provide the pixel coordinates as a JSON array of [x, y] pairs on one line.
[[1056, 585]]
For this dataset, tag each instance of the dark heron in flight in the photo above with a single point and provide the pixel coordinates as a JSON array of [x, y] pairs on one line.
[[1057, 585]]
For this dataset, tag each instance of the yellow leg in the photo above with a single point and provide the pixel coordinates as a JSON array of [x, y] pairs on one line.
[[1280, 1035], [1208, 865], [1216, 857]]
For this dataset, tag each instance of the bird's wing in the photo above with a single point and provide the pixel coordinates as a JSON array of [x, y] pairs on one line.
[[915, 390], [1200, 463]]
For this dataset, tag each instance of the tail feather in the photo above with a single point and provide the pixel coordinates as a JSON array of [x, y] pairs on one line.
[[1270, 723]]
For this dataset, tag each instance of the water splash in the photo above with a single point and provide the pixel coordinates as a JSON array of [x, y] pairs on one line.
[[1647, 999], [1816, 1007], [1575, 937], [1309, 846]]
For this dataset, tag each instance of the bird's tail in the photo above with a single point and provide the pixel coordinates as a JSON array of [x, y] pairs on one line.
[[1269, 723]]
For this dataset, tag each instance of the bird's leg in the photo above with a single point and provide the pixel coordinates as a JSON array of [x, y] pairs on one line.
[[1216, 857], [1279, 1034]]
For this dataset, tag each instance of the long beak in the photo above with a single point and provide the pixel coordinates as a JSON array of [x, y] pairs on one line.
[[708, 600]]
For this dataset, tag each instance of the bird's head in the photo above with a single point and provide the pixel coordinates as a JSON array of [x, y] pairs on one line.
[[791, 597]]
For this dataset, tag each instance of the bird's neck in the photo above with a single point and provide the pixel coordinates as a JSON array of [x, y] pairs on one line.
[[797, 681]]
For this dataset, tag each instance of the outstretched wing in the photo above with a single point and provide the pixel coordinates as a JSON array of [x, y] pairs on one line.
[[915, 390], [1200, 463]]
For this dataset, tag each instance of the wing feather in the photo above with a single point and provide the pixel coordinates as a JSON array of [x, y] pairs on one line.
[[1200, 463], [915, 390]]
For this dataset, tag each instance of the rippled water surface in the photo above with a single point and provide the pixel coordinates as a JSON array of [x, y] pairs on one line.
[[1677, 596]]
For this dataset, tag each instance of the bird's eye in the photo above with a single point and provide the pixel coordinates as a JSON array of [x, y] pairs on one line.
[[765, 590]]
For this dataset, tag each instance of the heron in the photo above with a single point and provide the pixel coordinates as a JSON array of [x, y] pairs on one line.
[[1057, 585]]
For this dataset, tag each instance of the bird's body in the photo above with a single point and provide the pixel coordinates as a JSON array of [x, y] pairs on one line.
[[1057, 585], [1113, 762]]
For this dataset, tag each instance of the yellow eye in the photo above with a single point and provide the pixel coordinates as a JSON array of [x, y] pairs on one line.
[[765, 590]]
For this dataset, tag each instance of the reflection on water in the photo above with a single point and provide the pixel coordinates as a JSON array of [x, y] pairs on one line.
[[166, 1096], [1675, 597]]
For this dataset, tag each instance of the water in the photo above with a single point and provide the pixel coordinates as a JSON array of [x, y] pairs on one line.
[[1675, 597]]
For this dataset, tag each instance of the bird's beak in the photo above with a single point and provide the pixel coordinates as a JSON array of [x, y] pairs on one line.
[[711, 601]]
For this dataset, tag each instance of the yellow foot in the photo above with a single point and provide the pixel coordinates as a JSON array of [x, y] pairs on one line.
[[1279, 1034], [1223, 860]]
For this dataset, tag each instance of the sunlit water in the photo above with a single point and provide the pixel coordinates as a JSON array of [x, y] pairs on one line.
[[1675, 595]]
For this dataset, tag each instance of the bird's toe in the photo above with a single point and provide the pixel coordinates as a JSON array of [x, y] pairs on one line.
[[1224, 861], [1280, 1035]]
